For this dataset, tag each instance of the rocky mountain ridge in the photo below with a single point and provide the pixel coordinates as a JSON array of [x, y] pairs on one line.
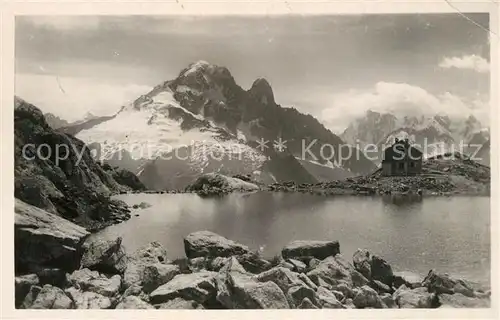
[[56, 172], [204, 105], [381, 129]]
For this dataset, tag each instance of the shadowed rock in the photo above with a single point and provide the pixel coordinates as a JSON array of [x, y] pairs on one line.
[[43, 239], [316, 249]]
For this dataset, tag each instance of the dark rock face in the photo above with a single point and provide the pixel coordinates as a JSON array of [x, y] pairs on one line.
[[209, 244], [44, 240], [56, 172]]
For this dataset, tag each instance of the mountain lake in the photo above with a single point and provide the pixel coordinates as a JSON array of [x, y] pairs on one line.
[[450, 234]]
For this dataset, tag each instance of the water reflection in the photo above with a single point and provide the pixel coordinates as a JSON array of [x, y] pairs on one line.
[[402, 200], [413, 234]]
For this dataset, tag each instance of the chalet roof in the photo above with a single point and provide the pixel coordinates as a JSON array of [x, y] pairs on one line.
[[400, 150]]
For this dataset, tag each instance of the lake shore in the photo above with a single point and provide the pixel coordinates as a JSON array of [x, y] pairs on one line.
[[219, 273]]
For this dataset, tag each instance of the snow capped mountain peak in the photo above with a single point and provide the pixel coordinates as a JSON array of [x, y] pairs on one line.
[[382, 129], [195, 67]]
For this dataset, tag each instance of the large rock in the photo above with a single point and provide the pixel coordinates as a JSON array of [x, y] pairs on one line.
[[93, 281], [30, 297], [298, 266], [327, 299], [152, 252], [158, 274], [133, 302], [148, 266], [307, 304], [366, 297], [414, 298], [53, 276], [316, 249], [51, 297], [88, 300], [381, 270], [283, 277], [297, 294], [361, 260], [458, 300], [240, 291], [199, 287], [43, 239], [331, 270], [444, 283], [253, 263], [23, 285], [104, 255], [209, 244]]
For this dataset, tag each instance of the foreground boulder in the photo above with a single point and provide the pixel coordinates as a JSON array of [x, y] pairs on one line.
[[199, 287], [148, 267], [43, 239], [366, 297], [332, 270], [93, 281], [48, 297], [283, 277], [104, 255], [414, 298], [361, 259], [316, 249], [209, 244], [240, 291], [444, 283], [23, 285], [88, 300], [373, 267]]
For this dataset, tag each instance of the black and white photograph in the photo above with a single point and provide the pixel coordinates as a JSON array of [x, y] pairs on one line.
[[293, 161]]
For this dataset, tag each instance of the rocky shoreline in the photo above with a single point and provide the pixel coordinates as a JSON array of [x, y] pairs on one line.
[[219, 273]]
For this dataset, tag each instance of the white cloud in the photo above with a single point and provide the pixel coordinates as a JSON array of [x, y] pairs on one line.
[[398, 99], [72, 97], [472, 62]]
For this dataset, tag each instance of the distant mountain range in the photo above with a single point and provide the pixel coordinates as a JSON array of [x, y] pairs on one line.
[[56, 122], [202, 121], [381, 129]]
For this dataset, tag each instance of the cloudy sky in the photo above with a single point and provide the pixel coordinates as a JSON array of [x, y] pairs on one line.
[[333, 67]]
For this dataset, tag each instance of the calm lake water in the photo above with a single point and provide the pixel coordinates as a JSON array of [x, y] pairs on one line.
[[451, 234]]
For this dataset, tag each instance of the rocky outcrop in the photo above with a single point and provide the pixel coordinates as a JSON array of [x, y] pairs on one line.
[[218, 184], [219, 280], [199, 287], [104, 255], [56, 172], [88, 299], [93, 281], [316, 249], [148, 268], [43, 239], [209, 244]]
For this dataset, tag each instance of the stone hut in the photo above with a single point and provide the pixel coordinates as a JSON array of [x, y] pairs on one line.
[[401, 159]]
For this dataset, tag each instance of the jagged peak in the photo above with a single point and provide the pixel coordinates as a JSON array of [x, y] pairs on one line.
[[263, 91]]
